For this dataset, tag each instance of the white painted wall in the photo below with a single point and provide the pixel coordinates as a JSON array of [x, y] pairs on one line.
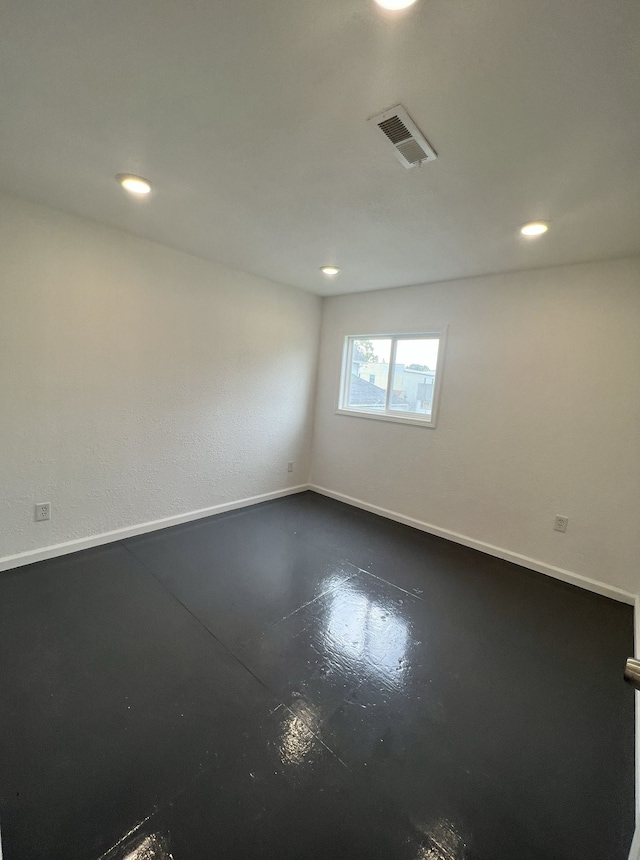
[[137, 382], [539, 415]]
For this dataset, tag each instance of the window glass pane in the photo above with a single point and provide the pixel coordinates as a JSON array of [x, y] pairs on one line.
[[368, 375], [414, 374]]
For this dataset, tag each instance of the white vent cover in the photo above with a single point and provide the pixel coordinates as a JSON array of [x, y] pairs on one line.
[[409, 144]]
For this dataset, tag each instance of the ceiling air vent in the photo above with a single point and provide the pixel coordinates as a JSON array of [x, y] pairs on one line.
[[408, 143]]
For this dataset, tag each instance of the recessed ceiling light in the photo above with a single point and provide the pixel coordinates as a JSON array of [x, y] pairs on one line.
[[395, 4], [534, 228], [133, 184], [329, 270]]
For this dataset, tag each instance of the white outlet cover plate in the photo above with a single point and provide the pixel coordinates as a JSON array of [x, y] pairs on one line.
[[43, 511]]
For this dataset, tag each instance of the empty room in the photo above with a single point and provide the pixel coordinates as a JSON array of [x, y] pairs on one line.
[[319, 429]]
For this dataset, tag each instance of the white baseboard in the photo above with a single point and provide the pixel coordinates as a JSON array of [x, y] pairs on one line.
[[490, 549], [30, 556]]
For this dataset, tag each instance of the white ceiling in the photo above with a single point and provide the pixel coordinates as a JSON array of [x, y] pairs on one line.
[[249, 117]]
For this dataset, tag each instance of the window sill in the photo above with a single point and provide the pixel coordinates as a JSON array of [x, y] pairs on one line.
[[386, 416]]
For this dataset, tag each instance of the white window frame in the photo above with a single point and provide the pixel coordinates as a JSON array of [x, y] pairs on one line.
[[388, 414]]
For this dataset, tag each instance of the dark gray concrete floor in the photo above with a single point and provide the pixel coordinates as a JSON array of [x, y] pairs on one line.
[[301, 679]]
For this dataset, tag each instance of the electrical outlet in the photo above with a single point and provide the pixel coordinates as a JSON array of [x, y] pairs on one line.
[[43, 511], [290, 466], [561, 524]]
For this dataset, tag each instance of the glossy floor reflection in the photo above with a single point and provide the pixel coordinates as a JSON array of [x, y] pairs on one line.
[[303, 679]]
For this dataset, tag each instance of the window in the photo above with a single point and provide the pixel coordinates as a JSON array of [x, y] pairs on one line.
[[392, 377]]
